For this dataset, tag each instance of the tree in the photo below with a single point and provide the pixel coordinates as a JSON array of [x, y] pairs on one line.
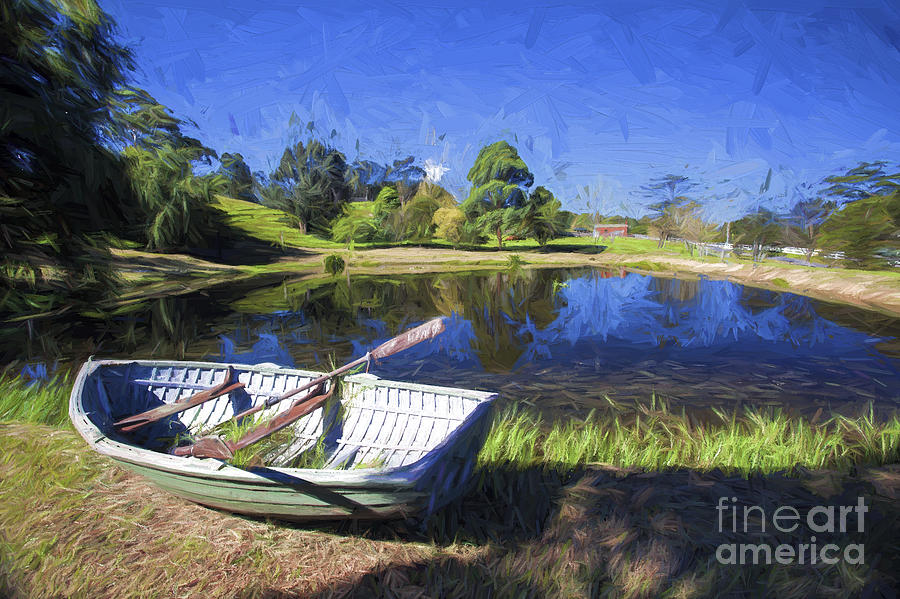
[[867, 227], [174, 203], [406, 177], [757, 228], [691, 225], [314, 178], [668, 193], [367, 178], [61, 184], [354, 225], [803, 225], [863, 181], [238, 176], [867, 231], [174, 200], [499, 179], [543, 219], [412, 220], [449, 224]]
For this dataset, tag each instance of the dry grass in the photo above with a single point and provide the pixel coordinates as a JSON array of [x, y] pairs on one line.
[[627, 534], [73, 525]]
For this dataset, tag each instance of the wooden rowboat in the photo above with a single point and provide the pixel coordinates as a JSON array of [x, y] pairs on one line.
[[391, 449]]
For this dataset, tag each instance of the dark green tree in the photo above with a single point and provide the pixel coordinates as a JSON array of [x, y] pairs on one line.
[[543, 218], [61, 184], [174, 203], [238, 176], [867, 227], [499, 182], [314, 178]]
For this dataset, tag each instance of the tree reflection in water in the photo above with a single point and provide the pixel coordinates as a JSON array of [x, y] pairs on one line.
[[555, 337]]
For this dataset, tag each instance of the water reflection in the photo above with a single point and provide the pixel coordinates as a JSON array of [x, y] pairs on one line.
[[558, 338], [570, 339]]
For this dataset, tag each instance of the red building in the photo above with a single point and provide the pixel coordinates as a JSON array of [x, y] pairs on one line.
[[610, 230]]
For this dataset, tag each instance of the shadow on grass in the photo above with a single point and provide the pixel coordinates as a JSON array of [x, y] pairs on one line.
[[632, 534], [500, 505], [249, 253]]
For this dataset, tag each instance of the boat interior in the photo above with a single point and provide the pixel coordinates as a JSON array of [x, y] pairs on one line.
[[367, 423]]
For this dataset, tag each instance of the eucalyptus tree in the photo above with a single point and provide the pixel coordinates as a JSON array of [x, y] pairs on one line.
[[757, 228], [174, 202], [316, 182], [543, 219], [367, 178], [803, 224], [406, 177], [669, 196], [239, 179], [863, 181], [498, 196]]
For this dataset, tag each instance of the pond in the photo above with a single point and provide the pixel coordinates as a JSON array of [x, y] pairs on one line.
[[559, 339]]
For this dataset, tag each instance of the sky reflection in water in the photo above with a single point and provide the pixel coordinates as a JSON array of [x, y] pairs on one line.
[[568, 340]]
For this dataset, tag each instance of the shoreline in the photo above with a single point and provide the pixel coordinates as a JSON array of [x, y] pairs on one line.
[[872, 290]]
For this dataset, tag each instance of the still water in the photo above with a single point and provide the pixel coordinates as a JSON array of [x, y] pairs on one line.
[[560, 339]]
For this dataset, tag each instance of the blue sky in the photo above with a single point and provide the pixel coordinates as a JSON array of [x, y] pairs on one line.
[[604, 95]]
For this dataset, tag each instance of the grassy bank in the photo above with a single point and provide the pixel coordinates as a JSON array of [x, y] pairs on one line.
[[620, 504], [754, 441], [279, 249], [648, 437], [72, 525]]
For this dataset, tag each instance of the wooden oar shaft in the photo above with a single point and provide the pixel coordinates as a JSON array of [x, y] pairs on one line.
[[138, 420], [213, 447], [390, 347], [295, 412]]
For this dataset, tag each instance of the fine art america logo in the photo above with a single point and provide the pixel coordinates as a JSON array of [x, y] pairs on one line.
[[819, 519]]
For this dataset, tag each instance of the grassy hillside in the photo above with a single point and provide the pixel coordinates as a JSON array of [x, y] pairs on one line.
[[267, 224]]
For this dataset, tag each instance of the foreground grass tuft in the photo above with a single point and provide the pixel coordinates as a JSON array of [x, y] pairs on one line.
[[36, 402]]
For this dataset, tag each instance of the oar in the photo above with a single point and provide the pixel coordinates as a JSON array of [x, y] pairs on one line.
[[402, 341], [430, 329], [156, 414], [214, 447]]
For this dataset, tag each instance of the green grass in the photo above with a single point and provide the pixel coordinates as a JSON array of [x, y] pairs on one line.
[[268, 225], [40, 403], [651, 438], [73, 525], [755, 441], [646, 265], [779, 282]]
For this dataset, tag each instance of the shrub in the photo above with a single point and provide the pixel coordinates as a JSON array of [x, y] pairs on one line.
[[334, 264]]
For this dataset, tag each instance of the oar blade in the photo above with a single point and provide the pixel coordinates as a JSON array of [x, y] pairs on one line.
[[206, 447], [405, 340]]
